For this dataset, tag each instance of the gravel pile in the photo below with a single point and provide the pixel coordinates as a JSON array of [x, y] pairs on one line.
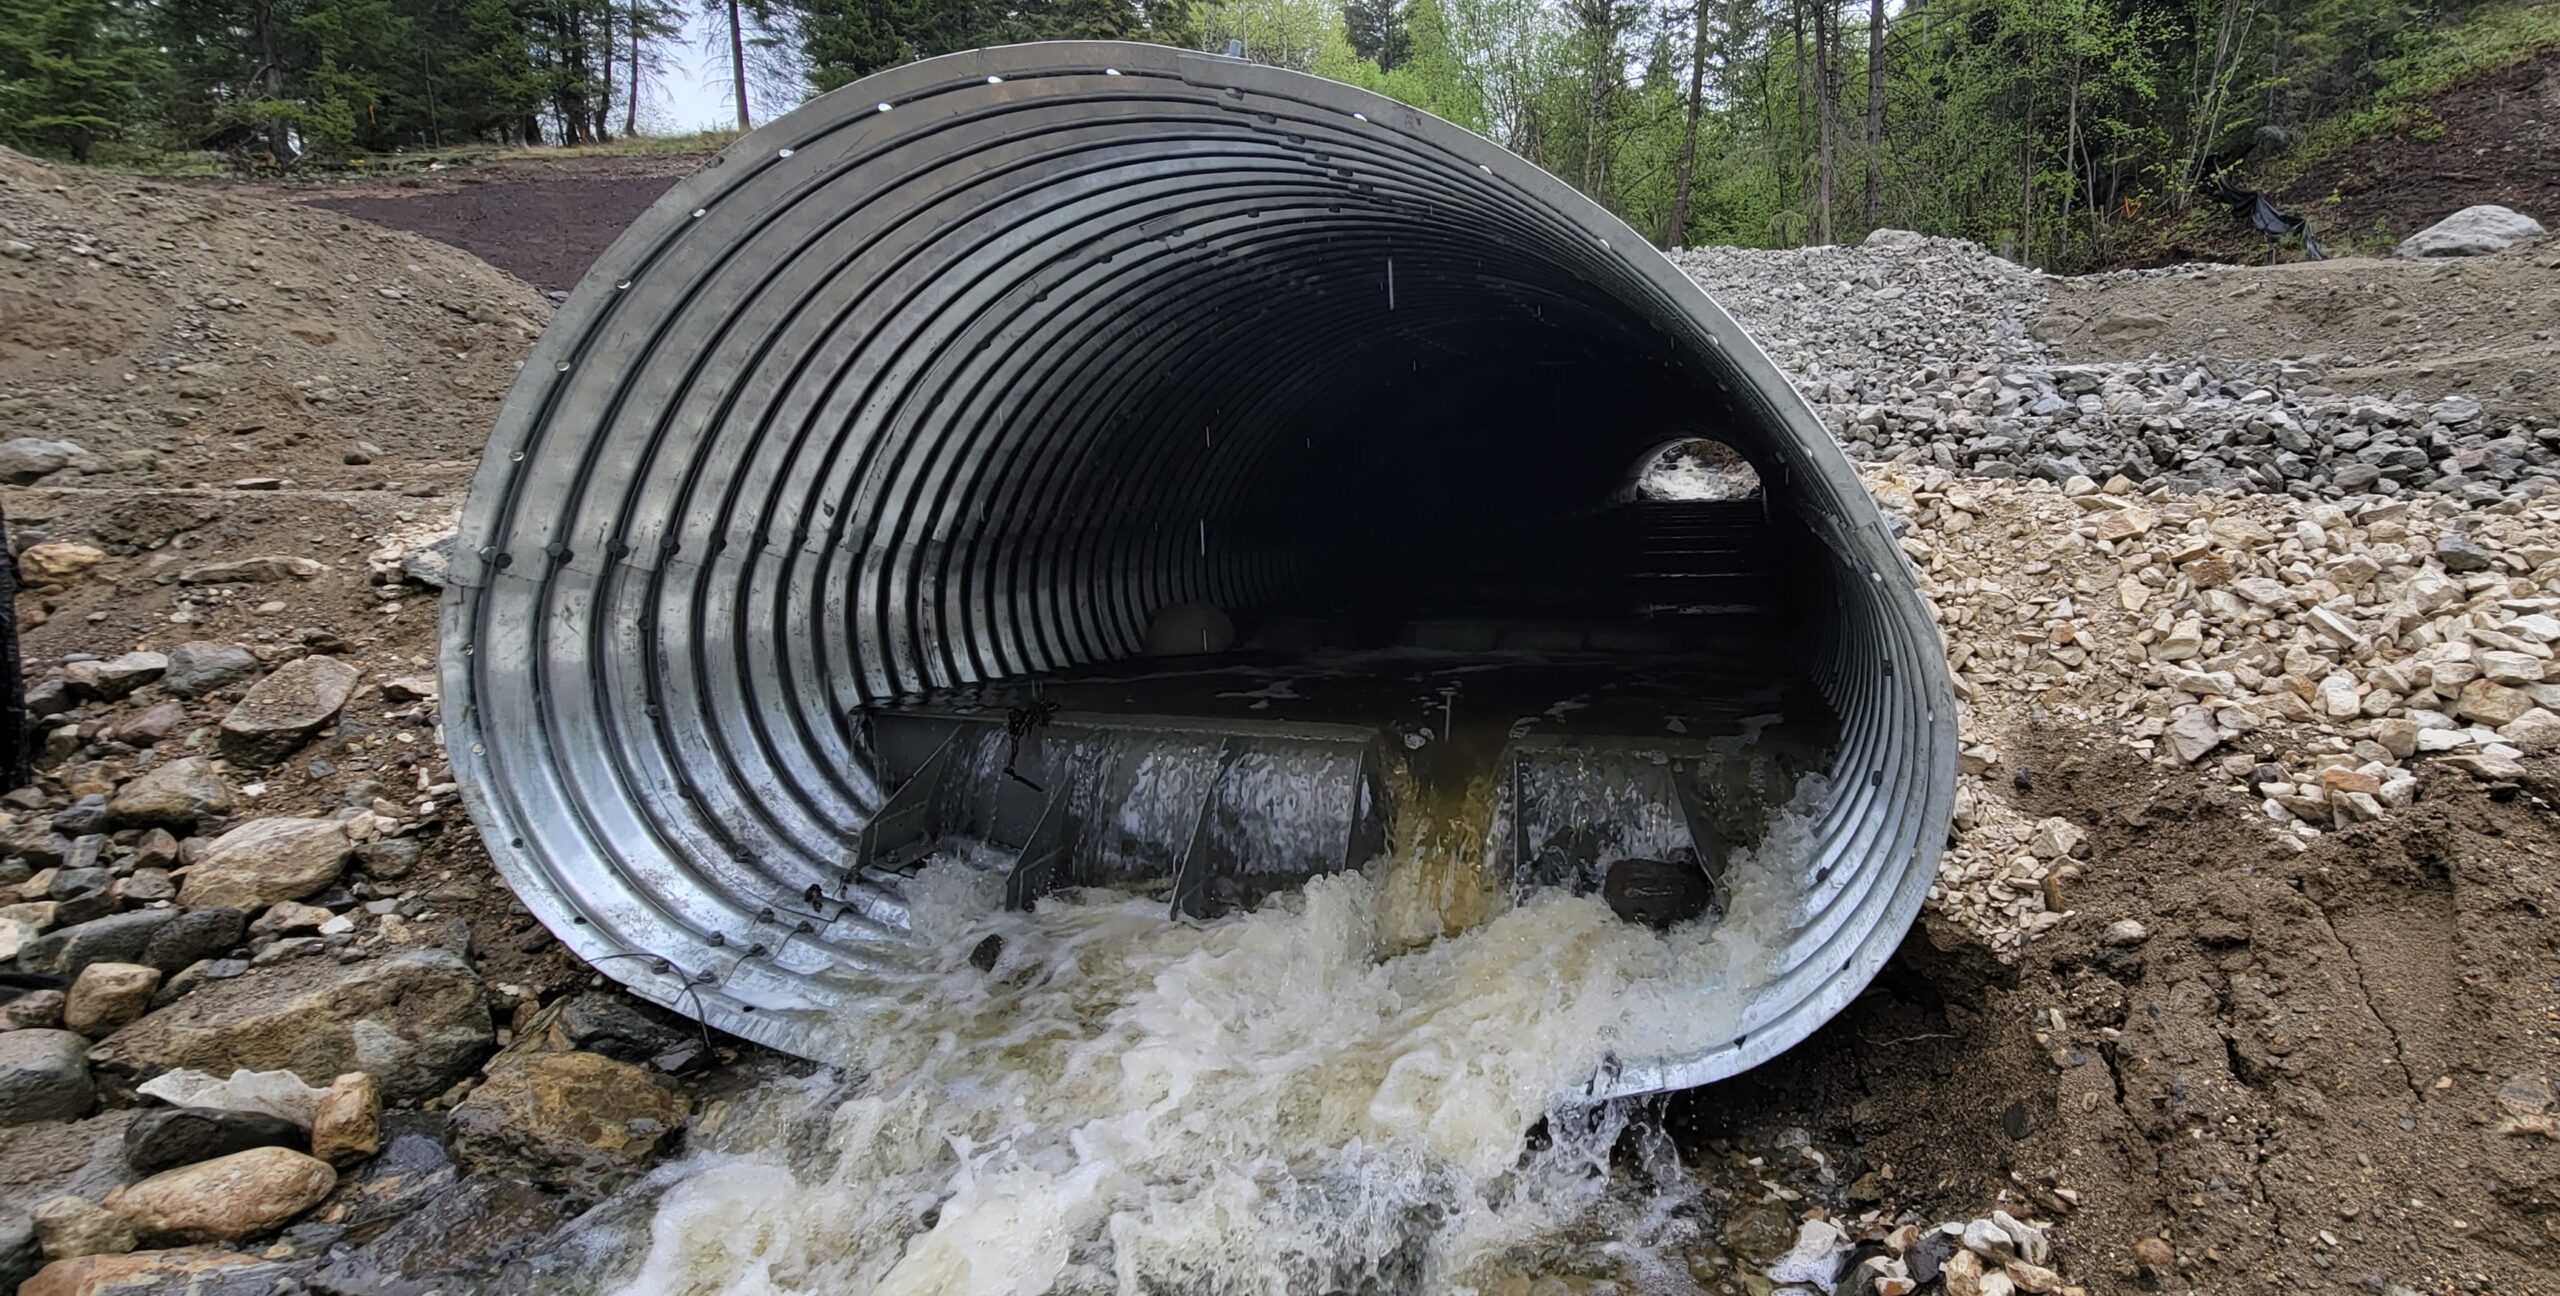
[[1924, 350]]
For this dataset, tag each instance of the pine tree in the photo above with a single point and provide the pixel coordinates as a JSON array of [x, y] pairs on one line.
[[71, 74], [1378, 32]]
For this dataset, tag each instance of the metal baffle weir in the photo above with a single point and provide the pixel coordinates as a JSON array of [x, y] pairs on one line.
[[957, 374]]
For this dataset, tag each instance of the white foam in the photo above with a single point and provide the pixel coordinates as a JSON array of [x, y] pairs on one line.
[[1256, 1104]]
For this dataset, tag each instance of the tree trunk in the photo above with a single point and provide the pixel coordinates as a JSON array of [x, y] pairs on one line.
[[603, 109], [738, 64], [1875, 107], [1804, 112], [631, 115], [1675, 228], [1826, 93]]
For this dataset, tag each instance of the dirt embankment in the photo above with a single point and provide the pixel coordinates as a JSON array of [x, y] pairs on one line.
[[2485, 327], [187, 335], [2494, 139]]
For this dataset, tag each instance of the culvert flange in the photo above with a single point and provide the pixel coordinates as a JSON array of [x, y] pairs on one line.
[[962, 372]]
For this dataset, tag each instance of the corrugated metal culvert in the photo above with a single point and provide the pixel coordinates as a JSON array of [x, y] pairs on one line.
[[964, 374]]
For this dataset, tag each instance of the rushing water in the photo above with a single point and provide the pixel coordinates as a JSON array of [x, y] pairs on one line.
[[1259, 1104]]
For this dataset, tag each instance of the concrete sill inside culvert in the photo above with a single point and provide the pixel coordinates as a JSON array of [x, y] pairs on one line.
[[883, 487]]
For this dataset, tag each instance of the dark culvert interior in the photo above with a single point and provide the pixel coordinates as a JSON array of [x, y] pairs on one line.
[[1181, 474]]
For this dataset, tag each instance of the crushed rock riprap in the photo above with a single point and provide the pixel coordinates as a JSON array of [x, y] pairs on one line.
[[1926, 351], [2317, 655]]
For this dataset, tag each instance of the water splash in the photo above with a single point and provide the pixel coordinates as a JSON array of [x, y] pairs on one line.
[[1258, 1104]]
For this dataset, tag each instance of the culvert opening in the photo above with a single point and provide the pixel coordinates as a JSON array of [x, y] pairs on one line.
[[1181, 474]]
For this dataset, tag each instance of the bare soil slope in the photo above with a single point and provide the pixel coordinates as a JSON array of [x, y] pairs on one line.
[[187, 335], [2477, 326]]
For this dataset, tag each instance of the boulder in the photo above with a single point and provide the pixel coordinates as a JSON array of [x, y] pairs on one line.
[[26, 460], [108, 995], [141, 1273], [33, 1010], [263, 570], [348, 1127], [57, 562], [267, 860], [580, 1122], [44, 1076], [243, 1195], [195, 935], [416, 1021], [1894, 239], [176, 795], [148, 725], [2473, 231], [198, 667], [116, 938], [50, 1159], [69, 1226], [165, 1138], [117, 676], [282, 711]]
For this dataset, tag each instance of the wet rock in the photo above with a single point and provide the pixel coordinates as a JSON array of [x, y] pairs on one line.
[[193, 936], [1658, 893], [987, 953], [201, 667], [51, 1159], [2474, 231], [165, 1138], [580, 1122], [1815, 1258], [264, 570], [281, 712], [140, 1273], [348, 1126], [483, 1222], [69, 1226], [417, 1021], [267, 860], [44, 1076], [600, 1021], [243, 1195], [116, 938], [108, 995], [176, 795], [117, 676], [411, 1170], [56, 562]]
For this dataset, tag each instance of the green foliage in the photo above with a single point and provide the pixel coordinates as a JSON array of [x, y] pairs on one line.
[[2432, 59], [71, 74]]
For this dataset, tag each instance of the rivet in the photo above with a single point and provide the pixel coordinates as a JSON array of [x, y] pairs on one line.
[[622, 285], [563, 366], [1110, 71], [783, 153], [995, 80], [884, 107], [700, 212]]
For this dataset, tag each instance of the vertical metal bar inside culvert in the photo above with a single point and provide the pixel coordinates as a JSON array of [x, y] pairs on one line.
[[966, 372]]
